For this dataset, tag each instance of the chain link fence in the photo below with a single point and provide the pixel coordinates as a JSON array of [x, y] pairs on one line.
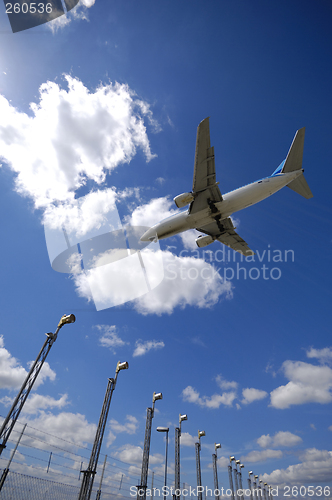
[[21, 487]]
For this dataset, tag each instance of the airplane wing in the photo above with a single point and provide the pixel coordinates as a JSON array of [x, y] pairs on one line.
[[224, 231], [205, 188]]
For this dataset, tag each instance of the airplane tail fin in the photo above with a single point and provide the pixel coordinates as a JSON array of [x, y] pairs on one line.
[[300, 186], [293, 162], [294, 158]]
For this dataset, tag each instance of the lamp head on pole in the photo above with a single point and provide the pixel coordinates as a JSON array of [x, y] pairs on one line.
[[121, 366], [250, 473], [216, 446], [200, 434], [256, 477], [162, 429], [156, 396], [65, 319], [231, 459], [182, 418]]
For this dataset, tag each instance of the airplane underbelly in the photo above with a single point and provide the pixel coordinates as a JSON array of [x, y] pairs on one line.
[[253, 193]]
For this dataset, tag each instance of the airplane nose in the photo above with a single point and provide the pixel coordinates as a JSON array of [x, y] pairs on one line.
[[149, 235]]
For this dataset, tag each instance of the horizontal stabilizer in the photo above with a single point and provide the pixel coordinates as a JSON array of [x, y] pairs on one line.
[[294, 158], [300, 186]]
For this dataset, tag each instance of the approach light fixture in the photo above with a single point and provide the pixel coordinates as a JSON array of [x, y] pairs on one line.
[[156, 396], [121, 366], [231, 459], [250, 473], [162, 429], [237, 462], [256, 477], [65, 319], [200, 434], [216, 446], [182, 418]]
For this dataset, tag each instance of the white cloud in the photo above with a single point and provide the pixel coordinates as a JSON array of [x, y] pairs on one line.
[[45, 372], [187, 439], [225, 384], [281, 438], [130, 427], [142, 348], [12, 374], [189, 239], [72, 136], [323, 355], [190, 395], [79, 12], [153, 212], [222, 463], [264, 441], [82, 215], [187, 281], [316, 467], [251, 394], [109, 337], [308, 384], [261, 456], [133, 455], [74, 428], [37, 402]]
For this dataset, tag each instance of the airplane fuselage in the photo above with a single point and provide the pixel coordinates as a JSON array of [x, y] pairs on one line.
[[232, 202]]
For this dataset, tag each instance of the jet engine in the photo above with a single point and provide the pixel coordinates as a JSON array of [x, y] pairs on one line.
[[181, 200], [203, 241]]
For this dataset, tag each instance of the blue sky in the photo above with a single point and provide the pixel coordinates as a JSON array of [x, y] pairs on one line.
[[118, 90]]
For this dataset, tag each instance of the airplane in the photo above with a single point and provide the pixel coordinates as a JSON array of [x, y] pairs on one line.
[[209, 212]]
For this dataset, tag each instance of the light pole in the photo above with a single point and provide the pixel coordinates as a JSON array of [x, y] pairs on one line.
[[20, 399], [165, 429], [231, 485], [90, 472], [250, 473], [141, 489], [240, 477], [182, 418], [256, 487], [198, 464], [215, 472]]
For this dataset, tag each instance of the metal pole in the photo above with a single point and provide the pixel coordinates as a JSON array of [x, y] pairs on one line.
[[249, 485], [236, 483], [101, 480], [215, 475], [141, 489], [166, 465], [240, 481], [20, 399], [6, 470], [152, 485], [198, 470], [231, 480], [177, 461], [90, 472], [255, 494], [49, 463]]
